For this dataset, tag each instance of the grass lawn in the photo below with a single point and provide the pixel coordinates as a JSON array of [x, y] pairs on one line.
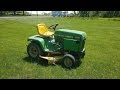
[[101, 61]]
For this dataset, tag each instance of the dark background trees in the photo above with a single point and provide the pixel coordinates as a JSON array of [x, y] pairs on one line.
[[108, 14], [14, 13]]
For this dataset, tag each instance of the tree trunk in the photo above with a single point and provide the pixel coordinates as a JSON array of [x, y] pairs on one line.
[[14, 12], [23, 13], [75, 13], [37, 13]]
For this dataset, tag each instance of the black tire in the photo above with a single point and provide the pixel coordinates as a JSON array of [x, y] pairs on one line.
[[83, 54], [34, 51], [68, 61]]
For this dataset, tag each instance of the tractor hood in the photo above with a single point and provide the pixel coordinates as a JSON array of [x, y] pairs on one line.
[[68, 32]]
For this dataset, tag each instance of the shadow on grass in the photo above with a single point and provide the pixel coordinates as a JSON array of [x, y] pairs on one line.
[[42, 62]]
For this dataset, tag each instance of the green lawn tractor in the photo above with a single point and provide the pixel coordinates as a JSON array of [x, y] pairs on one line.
[[63, 45]]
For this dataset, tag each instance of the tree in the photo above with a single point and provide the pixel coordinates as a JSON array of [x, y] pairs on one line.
[[75, 13], [83, 13], [23, 13], [93, 13], [37, 13], [14, 12]]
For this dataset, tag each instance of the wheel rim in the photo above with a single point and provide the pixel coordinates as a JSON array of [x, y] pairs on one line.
[[68, 62], [33, 51]]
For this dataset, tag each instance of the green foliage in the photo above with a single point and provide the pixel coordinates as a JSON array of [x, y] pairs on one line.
[[102, 59], [108, 14], [93, 13], [84, 13], [98, 14]]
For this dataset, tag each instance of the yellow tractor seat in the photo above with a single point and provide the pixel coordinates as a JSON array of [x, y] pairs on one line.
[[43, 31]]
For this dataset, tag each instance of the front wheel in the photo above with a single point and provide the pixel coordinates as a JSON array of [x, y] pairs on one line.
[[68, 61], [83, 54], [34, 50]]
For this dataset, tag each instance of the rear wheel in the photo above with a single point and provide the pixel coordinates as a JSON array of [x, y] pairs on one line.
[[68, 61], [34, 50]]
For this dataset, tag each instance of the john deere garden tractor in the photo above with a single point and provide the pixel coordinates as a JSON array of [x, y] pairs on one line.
[[63, 45]]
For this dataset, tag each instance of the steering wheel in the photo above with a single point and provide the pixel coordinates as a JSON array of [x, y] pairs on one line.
[[53, 26]]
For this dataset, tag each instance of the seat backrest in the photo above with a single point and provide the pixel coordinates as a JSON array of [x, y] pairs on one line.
[[41, 28]]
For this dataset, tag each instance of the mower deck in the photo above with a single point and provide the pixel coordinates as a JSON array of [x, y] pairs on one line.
[[52, 60]]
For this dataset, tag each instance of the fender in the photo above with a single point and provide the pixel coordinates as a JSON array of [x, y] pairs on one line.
[[39, 40]]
